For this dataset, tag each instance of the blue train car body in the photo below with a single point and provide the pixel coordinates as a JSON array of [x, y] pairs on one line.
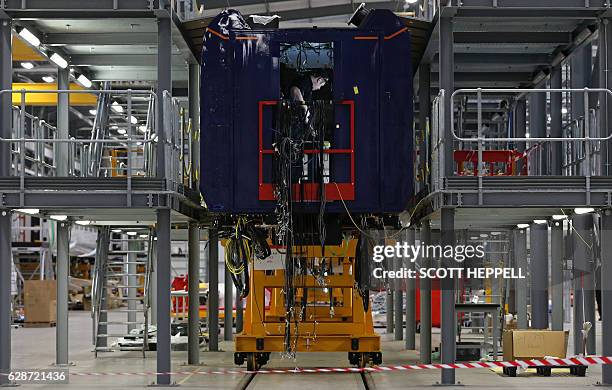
[[371, 157]]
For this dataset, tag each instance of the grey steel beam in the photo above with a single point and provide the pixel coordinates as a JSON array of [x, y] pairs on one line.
[[501, 59], [537, 128], [193, 350], [194, 114], [213, 289], [63, 123], [102, 39], [515, 37], [6, 79], [556, 274], [134, 74], [584, 295], [605, 81], [425, 299], [539, 275], [447, 83], [398, 302], [147, 60], [410, 237], [62, 275], [447, 285], [164, 270], [520, 255], [520, 127], [580, 66], [556, 122], [164, 83], [389, 303], [228, 304], [606, 293], [329, 10], [424, 115], [132, 280]]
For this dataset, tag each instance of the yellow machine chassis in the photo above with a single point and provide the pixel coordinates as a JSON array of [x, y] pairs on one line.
[[349, 329]]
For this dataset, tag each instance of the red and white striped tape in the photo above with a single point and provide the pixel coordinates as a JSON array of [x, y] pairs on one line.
[[551, 362]]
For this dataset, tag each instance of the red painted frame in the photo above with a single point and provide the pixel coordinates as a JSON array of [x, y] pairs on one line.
[[333, 191]]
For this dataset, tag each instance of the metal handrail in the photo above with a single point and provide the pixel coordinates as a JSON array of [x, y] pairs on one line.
[[480, 91]]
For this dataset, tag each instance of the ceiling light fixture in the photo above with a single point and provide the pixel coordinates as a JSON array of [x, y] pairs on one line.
[[48, 79], [59, 217], [583, 210], [29, 37], [27, 65], [28, 211], [118, 108], [59, 60], [84, 81], [522, 225]]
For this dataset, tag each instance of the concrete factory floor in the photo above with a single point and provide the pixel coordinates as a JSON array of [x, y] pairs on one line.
[[35, 348]]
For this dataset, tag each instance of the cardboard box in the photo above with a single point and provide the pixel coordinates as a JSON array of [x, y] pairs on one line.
[[534, 344], [40, 300]]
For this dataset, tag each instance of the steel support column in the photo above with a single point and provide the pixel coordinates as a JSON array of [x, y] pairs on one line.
[[63, 109], [447, 285], [194, 113], [164, 270], [556, 274], [556, 122], [537, 128], [580, 67], [605, 81], [193, 350], [425, 299], [424, 116], [213, 289], [389, 307], [447, 83], [164, 83], [410, 237], [132, 280], [606, 293], [539, 275], [520, 128], [520, 256], [398, 300], [228, 305], [63, 273], [584, 282], [6, 79]]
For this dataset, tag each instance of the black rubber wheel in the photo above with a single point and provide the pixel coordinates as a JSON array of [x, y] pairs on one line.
[[581, 370], [511, 371], [546, 371], [252, 364]]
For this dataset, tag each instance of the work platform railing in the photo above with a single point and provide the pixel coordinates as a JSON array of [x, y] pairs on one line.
[[580, 139], [124, 141]]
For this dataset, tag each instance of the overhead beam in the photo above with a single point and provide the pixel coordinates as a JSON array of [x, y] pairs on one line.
[[148, 74], [120, 59], [501, 59], [332, 10], [513, 37], [110, 38]]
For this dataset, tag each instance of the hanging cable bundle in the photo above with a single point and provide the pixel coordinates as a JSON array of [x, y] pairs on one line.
[[245, 241]]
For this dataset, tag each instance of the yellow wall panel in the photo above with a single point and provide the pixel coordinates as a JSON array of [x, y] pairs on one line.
[[50, 99]]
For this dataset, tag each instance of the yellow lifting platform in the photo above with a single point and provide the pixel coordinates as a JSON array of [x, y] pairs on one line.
[[341, 325]]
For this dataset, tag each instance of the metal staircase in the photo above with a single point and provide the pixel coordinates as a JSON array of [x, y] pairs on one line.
[[122, 278]]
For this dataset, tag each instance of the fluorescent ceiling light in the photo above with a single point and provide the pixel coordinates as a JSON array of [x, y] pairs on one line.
[[59, 60], [59, 217], [121, 131], [495, 233], [411, 1], [84, 81], [484, 235], [27, 65], [118, 108], [474, 238], [93, 112], [583, 210], [83, 222], [28, 211], [116, 230], [539, 221], [133, 120], [564, 110], [48, 79], [29, 37], [132, 233], [522, 225], [559, 217], [143, 235], [142, 128]]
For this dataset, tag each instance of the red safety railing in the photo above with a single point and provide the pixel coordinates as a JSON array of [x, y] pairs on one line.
[[310, 191]]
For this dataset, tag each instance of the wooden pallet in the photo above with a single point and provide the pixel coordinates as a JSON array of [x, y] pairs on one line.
[[577, 370], [39, 324]]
